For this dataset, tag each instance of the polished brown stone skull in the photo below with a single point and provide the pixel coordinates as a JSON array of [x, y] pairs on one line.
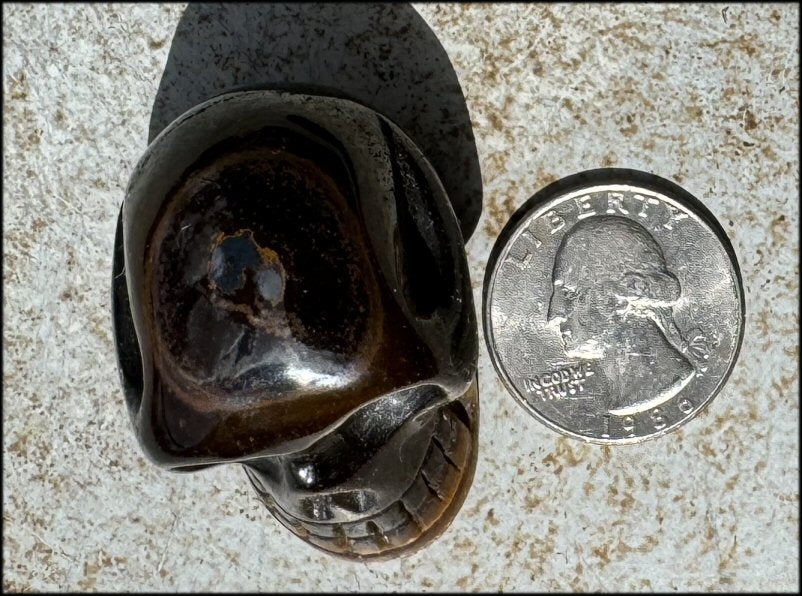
[[291, 293]]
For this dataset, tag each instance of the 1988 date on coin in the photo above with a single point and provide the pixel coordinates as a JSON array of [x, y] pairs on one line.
[[613, 306]]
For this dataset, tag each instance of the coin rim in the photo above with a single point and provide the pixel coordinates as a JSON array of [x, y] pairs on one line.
[[585, 180]]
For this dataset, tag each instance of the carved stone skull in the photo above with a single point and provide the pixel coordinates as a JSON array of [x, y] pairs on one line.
[[291, 293]]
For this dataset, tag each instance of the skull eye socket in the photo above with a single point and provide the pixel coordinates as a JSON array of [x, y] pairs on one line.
[[425, 261], [129, 357]]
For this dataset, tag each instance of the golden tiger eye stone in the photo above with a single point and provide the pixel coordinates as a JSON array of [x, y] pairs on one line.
[[295, 297]]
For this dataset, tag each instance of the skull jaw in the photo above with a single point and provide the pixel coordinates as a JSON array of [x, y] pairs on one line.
[[362, 517]]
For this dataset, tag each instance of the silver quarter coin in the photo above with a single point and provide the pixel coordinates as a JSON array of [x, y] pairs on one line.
[[613, 306]]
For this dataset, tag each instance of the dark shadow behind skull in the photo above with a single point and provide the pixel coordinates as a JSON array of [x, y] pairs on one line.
[[383, 56]]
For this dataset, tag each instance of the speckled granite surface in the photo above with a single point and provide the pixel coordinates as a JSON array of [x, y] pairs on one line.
[[703, 95]]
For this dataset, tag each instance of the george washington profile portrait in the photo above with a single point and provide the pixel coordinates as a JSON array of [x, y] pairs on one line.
[[613, 299]]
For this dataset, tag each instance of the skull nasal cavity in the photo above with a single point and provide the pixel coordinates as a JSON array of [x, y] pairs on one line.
[[240, 270]]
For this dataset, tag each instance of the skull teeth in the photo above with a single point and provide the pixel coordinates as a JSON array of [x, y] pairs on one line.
[[434, 496]]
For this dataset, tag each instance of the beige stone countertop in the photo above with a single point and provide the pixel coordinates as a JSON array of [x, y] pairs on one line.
[[704, 95]]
